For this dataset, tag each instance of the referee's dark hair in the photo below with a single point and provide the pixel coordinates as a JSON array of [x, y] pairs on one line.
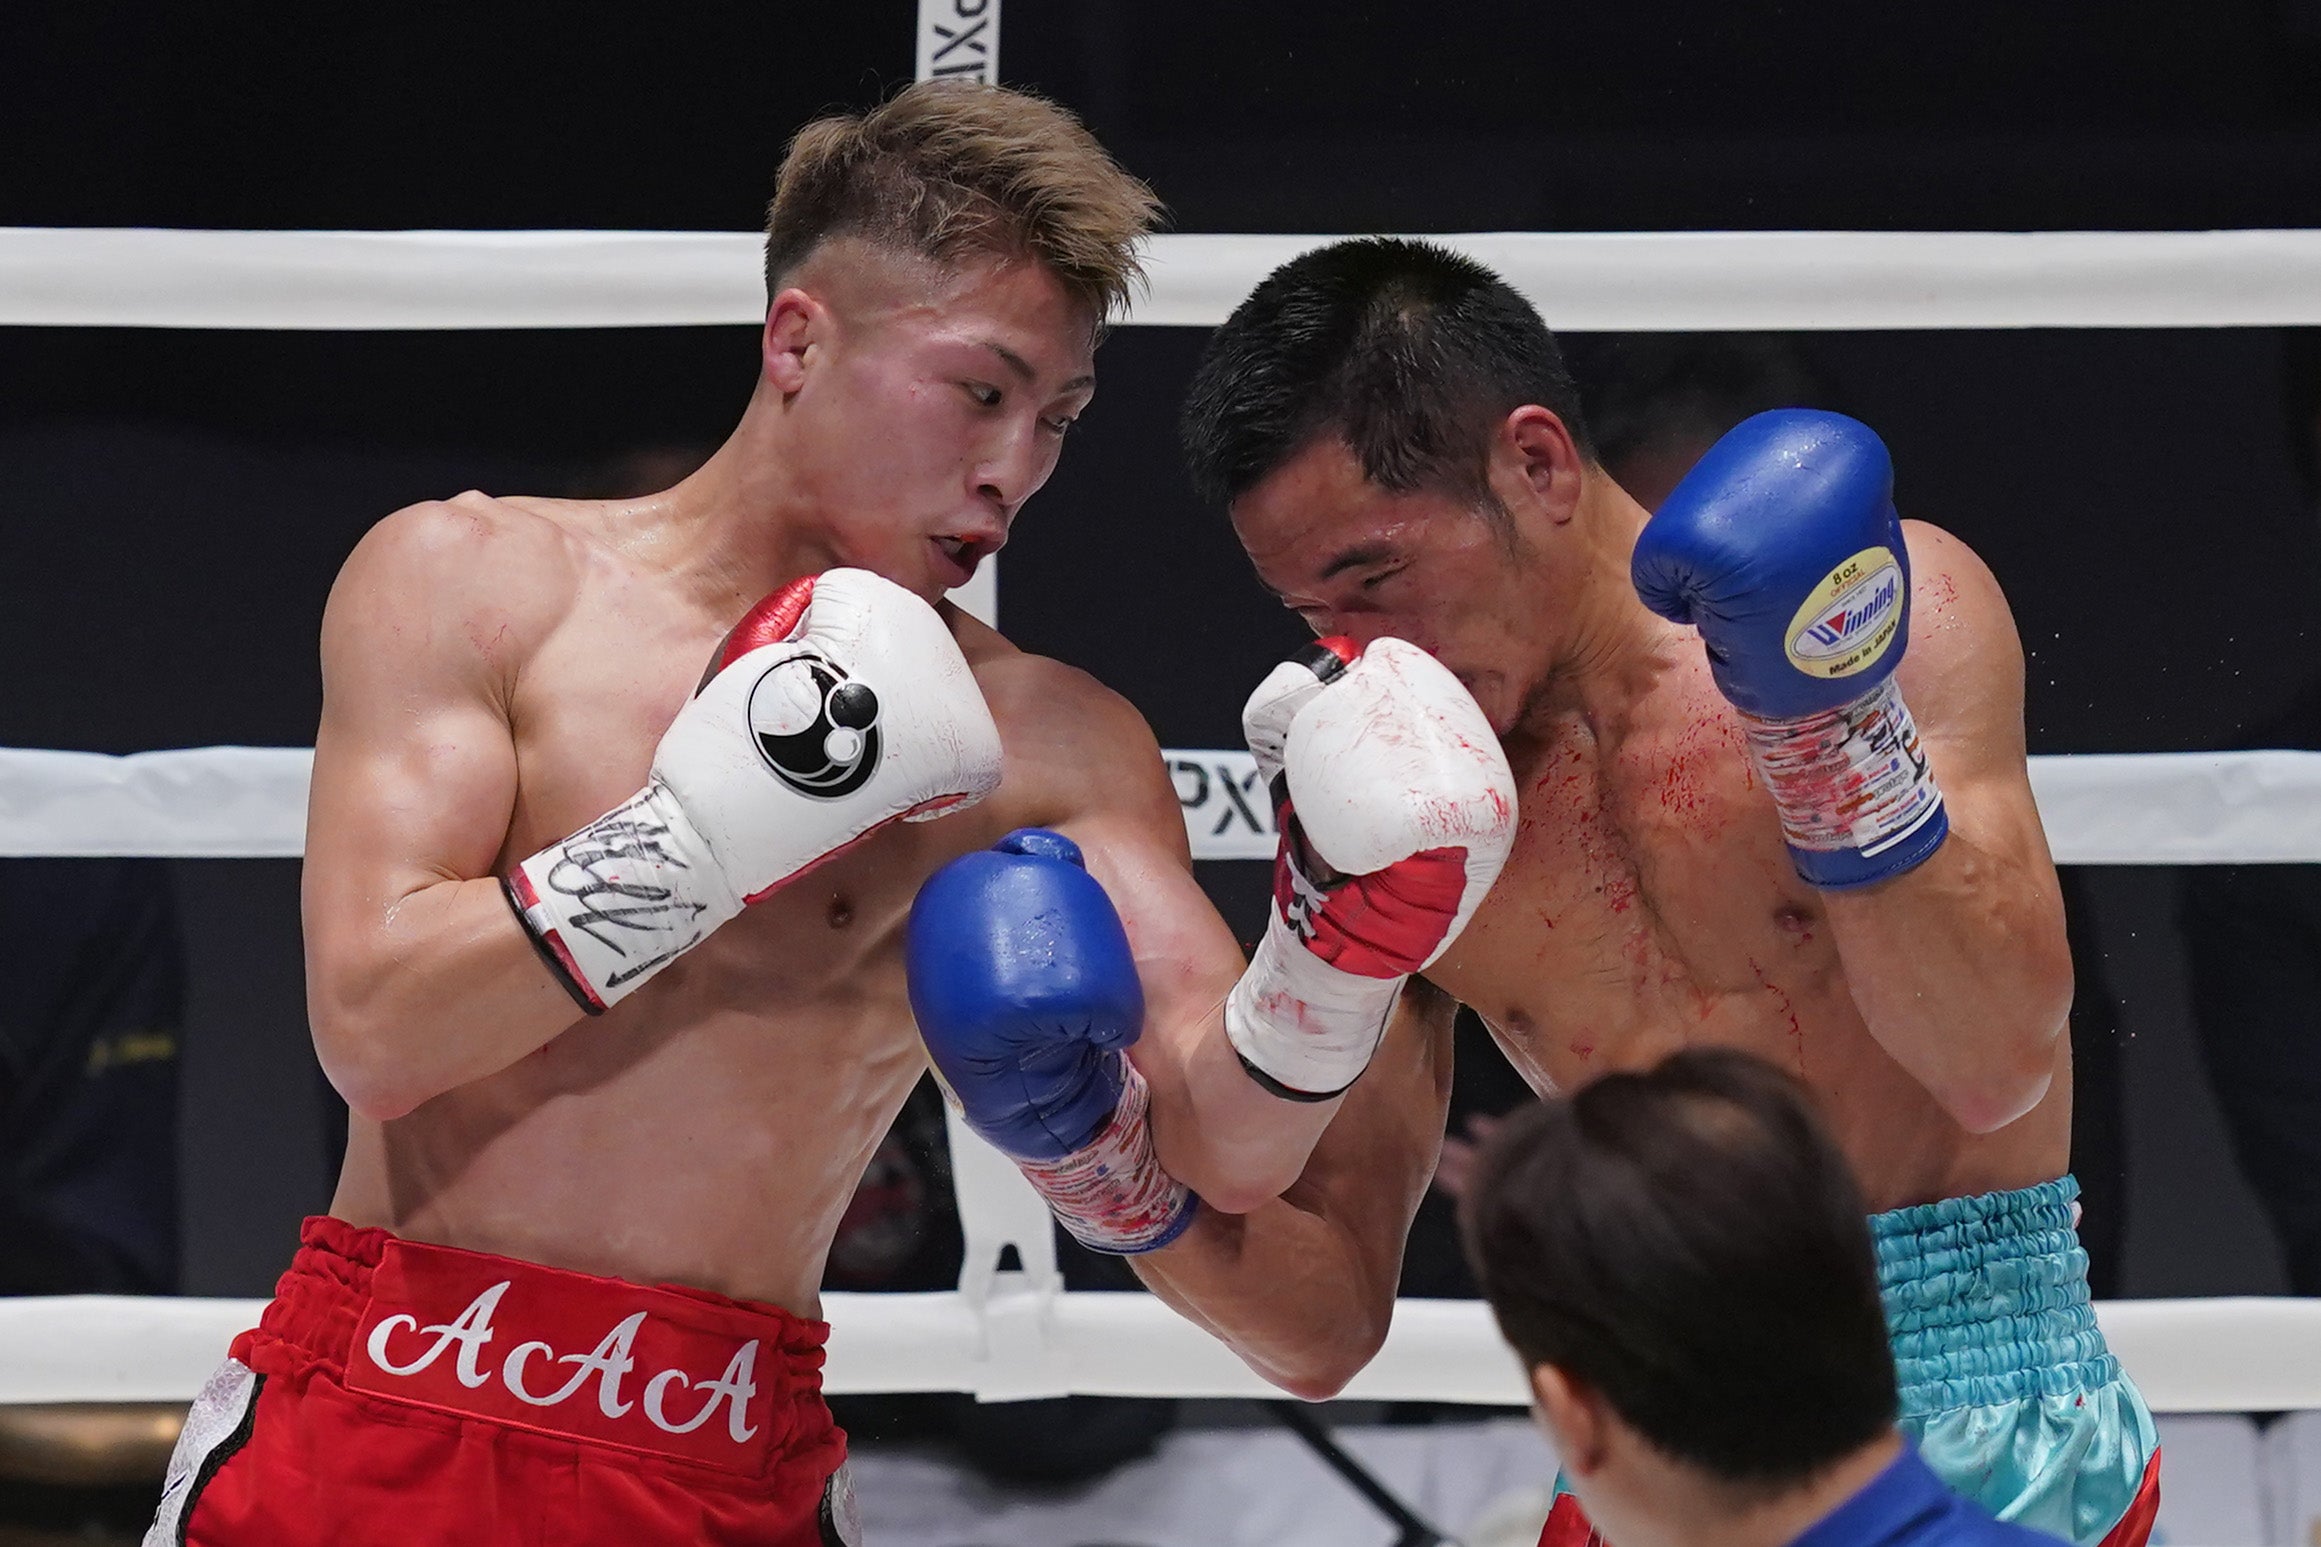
[[1690, 1244]]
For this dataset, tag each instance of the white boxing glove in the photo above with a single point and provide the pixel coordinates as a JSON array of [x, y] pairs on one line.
[[1396, 811], [837, 705]]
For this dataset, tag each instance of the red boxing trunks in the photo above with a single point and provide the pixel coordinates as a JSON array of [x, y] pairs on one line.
[[397, 1392]]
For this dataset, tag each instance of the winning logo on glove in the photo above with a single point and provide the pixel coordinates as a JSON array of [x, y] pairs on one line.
[[817, 728], [1846, 622]]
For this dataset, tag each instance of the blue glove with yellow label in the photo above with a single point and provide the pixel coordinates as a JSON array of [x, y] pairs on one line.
[[1783, 548]]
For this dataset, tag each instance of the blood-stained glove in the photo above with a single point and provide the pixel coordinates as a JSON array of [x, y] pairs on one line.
[[1396, 811]]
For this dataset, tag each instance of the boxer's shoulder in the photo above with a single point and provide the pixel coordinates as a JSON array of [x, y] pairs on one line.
[[1943, 569], [1072, 743], [1962, 631], [471, 576]]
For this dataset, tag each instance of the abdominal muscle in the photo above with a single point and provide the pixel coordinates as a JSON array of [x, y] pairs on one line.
[[1905, 1149], [708, 1131]]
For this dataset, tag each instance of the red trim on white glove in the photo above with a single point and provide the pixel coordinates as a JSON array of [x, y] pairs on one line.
[[837, 705]]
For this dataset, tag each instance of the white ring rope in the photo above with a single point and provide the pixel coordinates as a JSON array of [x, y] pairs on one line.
[[1010, 1335], [2151, 808], [1665, 282], [2211, 1355]]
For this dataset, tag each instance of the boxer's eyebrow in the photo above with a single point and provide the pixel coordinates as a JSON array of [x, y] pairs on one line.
[[1024, 371]]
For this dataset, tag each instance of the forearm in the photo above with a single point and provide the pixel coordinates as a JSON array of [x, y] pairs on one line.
[[439, 988], [1247, 1144], [1302, 1286], [1960, 970], [1282, 1288], [1216, 1129]]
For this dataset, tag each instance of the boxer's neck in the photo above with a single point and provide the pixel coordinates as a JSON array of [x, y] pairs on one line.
[[1605, 641], [740, 525]]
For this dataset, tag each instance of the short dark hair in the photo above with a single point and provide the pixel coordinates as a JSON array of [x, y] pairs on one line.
[[950, 169], [1409, 352], [1690, 1243]]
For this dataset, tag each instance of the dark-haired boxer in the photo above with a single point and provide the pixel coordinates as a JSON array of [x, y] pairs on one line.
[[1769, 754]]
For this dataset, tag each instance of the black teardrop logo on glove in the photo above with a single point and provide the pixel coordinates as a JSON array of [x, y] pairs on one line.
[[817, 727]]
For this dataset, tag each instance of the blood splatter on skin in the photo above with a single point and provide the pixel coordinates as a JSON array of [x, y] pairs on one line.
[[1703, 754], [1936, 600], [1786, 1008]]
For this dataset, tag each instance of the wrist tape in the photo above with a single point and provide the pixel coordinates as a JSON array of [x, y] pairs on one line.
[[1304, 1029], [620, 899], [1850, 781], [1111, 1194]]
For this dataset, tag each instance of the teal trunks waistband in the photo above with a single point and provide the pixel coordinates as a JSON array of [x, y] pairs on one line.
[[1986, 1300]]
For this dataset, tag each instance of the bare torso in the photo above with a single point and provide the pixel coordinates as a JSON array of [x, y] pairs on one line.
[[1649, 905], [710, 1129]]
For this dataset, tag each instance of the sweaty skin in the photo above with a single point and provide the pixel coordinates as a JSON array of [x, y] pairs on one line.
[[1649, 904], [497, 672]]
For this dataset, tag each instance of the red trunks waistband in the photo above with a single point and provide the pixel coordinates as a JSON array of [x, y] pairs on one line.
[[664, 1371]]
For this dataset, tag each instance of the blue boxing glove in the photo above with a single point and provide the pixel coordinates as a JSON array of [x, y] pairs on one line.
[[1026, 994], [1783, 547]]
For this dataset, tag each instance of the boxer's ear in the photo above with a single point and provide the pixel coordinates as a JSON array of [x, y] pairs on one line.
[[1573, 1414], [793, 323], [1535, 465]]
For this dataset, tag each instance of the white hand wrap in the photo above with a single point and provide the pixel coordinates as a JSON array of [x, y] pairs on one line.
[[1307, 1026], [628, 893]]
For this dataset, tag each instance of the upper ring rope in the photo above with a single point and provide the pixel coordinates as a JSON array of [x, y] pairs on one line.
[[1611, 281]]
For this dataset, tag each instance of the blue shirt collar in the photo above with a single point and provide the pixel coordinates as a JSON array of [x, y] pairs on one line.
[[1904, 1495]]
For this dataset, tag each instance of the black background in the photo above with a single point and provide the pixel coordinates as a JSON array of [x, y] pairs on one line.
[[173, 504]]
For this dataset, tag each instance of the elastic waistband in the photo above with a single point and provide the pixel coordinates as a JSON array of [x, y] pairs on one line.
[[1986, 1300], [663, 1370]]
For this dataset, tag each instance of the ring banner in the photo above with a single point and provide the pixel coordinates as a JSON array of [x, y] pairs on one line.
[[1228, 814], [959, 40]]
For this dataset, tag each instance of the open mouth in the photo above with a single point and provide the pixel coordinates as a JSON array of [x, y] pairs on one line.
[[960, 555]]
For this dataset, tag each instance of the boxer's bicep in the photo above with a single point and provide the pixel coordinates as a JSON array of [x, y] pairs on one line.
[[1961, 968], [1120, 807], [415, 762]]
